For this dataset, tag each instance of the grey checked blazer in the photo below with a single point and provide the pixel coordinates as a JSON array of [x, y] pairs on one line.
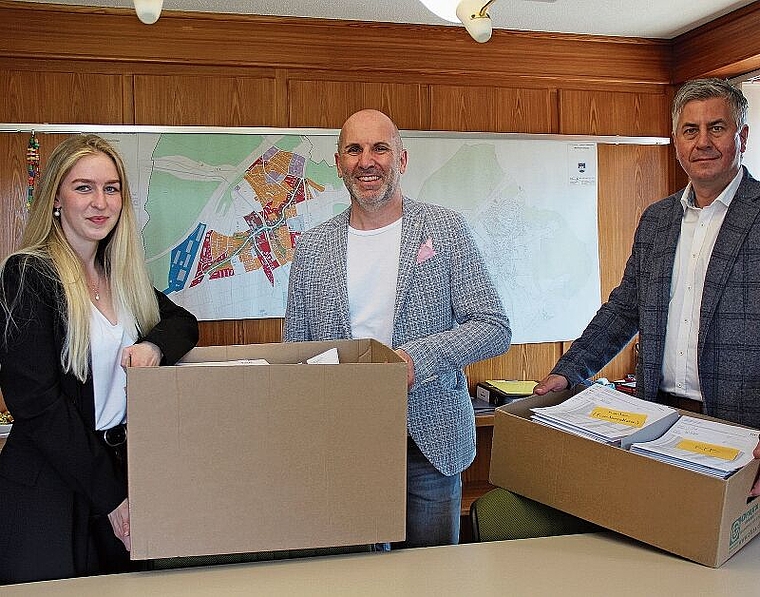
[[447, 315], [729, 327]]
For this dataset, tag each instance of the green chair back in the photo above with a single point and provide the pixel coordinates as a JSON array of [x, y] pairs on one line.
[[501, 514]]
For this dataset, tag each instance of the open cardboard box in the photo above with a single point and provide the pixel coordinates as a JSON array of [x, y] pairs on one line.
[[699, 517], [248, 458]]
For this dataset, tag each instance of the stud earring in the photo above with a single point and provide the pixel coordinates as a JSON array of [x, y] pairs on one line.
[[56, 212]]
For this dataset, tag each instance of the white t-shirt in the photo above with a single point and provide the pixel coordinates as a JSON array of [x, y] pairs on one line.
[[109, 379], [372, 271]]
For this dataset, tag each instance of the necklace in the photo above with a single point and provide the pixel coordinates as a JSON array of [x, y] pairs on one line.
[[96, 288]]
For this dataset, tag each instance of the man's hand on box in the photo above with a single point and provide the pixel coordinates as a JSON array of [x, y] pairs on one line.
[[409, 367], [755, 491], [550, 383]]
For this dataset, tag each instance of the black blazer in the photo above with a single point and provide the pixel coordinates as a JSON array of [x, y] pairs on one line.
[[55, 474]]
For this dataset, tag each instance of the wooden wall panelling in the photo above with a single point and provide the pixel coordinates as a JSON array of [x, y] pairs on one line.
[[636, 177], [240, 331], [245, 40], [180, 99], [12, 190], [591, 112], [60, 97], [678, 177], [282, 97], [13, 183], [128, 99], [726, 47], [493, 109], [327, 103]]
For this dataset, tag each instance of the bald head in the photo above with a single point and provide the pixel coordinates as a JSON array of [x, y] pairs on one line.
[[370, 119]]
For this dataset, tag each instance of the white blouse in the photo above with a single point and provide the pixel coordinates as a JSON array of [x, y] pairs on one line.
[[109, 379]]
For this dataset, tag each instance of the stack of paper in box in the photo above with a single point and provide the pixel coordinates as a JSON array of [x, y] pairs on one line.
[[704, 446], [606, 415]]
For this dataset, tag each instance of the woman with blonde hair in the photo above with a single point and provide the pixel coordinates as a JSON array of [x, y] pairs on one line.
[[76, 308]]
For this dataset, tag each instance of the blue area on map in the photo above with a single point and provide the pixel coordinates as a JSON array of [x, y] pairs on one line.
[[183, 256]]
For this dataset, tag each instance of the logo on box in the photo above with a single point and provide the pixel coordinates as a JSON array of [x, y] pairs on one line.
[[739, 527]]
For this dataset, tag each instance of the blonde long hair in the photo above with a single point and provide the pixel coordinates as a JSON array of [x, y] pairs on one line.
[[120, 254]]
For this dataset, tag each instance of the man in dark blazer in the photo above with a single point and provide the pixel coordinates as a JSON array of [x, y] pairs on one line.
[[691, 287]]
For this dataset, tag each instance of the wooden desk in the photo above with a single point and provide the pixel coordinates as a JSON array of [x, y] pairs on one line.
[[574, 565]]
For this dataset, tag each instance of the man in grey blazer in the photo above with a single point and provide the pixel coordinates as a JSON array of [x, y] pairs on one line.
[[691, 287], [408, 274]]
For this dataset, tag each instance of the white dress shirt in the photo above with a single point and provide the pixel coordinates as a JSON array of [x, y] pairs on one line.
[[699, 230]]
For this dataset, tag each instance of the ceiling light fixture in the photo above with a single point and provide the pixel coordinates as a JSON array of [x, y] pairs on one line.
[[473, 14], [148, 11], [475, 18]]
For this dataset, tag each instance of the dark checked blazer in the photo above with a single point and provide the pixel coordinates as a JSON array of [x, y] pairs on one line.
[[447, 315], [729, 325]]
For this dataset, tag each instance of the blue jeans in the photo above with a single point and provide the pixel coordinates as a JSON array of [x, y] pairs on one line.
[[433, 502]]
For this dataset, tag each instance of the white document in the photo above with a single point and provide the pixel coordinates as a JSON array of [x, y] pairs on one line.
[[606, 415], [226, 363], [328, 357], [709, 447]]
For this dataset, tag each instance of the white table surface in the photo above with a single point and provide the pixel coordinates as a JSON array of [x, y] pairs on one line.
[[584, 565]]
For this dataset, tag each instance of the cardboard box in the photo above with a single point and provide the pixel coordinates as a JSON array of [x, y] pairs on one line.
[[246, 458], [699, 517]]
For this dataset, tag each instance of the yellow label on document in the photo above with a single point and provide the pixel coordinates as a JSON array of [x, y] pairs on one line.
[[619, 416], [714, 450]]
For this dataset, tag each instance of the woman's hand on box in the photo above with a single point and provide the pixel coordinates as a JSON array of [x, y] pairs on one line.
[[119, 520], [144, 354]]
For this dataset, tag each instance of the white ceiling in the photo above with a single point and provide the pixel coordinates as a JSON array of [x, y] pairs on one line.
[[638, 18]]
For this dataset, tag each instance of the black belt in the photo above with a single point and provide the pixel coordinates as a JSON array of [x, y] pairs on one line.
[[115, 436], [115, 440], [681, 402]]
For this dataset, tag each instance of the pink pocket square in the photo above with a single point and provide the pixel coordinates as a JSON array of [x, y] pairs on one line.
[[426, 251]]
